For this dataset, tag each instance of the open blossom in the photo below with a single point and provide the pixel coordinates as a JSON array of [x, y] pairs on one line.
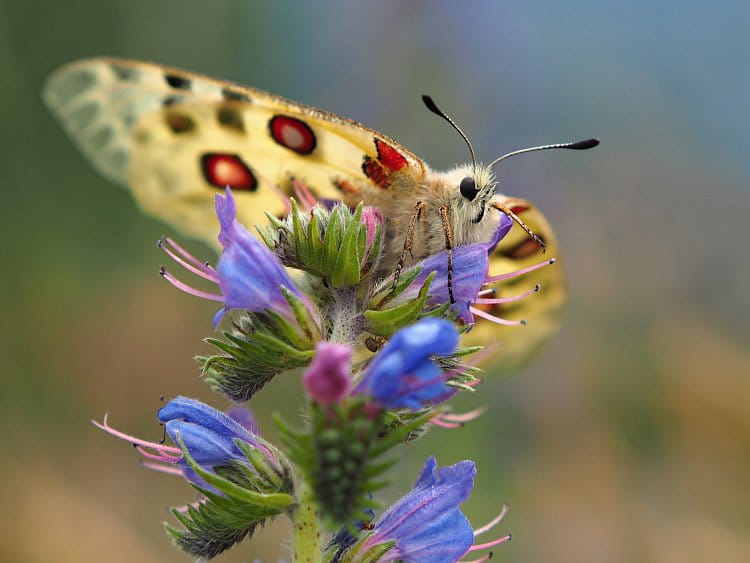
[[248, 274], [471, 277], [402, 374], [207, 434], [427, 524]]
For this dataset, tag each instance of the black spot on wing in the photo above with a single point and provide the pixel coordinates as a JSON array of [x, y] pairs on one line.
[[234, 96], [179, 122], [124, 72], [171, 100], [177, 82], [229, 117]]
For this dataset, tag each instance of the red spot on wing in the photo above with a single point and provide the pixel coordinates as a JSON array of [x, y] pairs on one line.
[[224, 169], [375, 172], [518, 209], [389, 156], [292, 133]]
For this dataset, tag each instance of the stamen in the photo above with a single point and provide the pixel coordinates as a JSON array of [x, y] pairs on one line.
[[164, 457], [203, 271], [490, 543], [496, 520], [437, 421], [189, 257], [303, 193], [168, 469], [133, 440], [494, 319], [500, 300], [488, 291], [521, 272], [465, 417], [188, 289]]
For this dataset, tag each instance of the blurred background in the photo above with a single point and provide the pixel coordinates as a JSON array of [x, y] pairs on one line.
[[627, 439]]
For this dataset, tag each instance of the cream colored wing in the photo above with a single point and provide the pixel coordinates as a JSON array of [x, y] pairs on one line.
[[542, 311], [176, 138]]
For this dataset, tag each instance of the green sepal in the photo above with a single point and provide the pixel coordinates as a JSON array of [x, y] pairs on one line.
[[272, 503], [346, 271], [220, 521], [385, 322], [303, 317], [248, 362], [388, 292]]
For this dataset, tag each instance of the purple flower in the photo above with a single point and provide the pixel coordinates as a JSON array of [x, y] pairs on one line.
[[427, 524], [402, 375], [329, 377], [207, 434], [248, 274], [470, 276]]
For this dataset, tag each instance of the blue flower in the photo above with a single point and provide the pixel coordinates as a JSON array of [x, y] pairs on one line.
[[470, 267], [470, 278], [249, 275], [207, 434], [402, 375], [427, 524]]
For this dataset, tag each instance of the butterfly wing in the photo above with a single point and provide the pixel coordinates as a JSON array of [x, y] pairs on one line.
[[176, 137], [542, 311]]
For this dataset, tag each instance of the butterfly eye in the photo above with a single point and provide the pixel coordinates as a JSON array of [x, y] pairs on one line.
[[468, 188]]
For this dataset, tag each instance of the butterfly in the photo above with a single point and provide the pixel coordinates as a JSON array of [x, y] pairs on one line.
[[175, 138]]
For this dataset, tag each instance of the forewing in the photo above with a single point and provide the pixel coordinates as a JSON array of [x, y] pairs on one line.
[[176, 138]]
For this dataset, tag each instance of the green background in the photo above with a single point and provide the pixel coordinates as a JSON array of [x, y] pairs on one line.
[[627, 439]]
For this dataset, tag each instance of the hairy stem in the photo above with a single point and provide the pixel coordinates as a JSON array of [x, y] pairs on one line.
[[307, 534]]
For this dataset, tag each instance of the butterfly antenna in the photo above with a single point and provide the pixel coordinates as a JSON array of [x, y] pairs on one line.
[[437, 111], [577, 146]]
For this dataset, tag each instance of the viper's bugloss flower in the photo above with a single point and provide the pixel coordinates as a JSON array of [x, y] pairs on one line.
[[248, 274], [402, 375], [470, 277], [207, 434], [427, 524], [328, 378]]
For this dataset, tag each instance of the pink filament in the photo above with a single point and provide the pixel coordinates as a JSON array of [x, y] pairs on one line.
[[189, 289], [493, 318], [163, 457], [521, 272], [465, 417], [201, 271], [499, 300], [494, 522], [490, 543], [438, 422], [168, 469], [306, 198], [133, 440], [189, 257]]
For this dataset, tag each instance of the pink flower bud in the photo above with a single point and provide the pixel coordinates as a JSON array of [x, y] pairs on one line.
[[328, 378], [372, 219]]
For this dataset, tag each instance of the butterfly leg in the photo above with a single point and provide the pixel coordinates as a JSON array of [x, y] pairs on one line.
[[449, 242], [509, 212], [408, 242]]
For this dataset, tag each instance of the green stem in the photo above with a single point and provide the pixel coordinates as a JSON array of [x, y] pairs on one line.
[[307, 533]]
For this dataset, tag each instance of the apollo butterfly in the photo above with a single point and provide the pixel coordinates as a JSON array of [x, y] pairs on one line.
[[175, 138]]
